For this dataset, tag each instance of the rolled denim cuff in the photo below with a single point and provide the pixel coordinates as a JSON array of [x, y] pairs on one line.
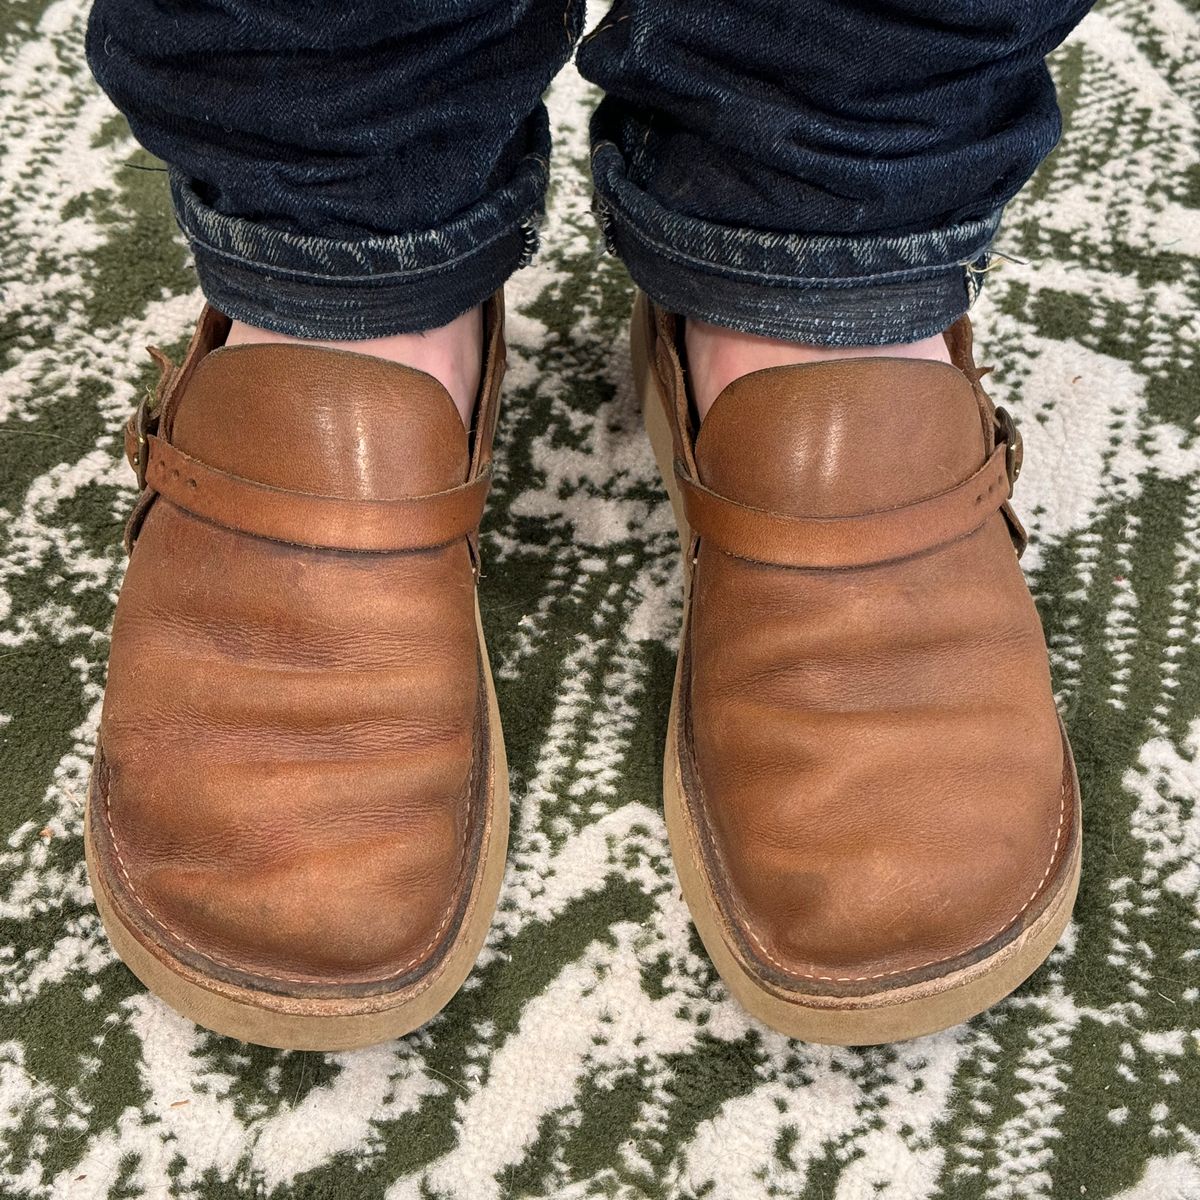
[[349, 289], [866, 290]]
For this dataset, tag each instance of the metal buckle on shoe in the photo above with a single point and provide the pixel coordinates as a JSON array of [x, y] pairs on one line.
[[145, 422], [146, 415], [1014, 447]]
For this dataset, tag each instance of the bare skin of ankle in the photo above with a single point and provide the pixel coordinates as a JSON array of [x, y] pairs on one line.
[[716, 356], [452, 354]]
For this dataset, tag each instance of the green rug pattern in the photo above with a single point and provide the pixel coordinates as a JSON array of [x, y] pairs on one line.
[[594, 1052]]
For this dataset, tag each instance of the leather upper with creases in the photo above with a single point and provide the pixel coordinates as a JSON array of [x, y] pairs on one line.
[[872, 753], [293, 752]]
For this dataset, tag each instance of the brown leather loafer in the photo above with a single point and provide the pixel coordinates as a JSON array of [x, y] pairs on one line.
[[298, 813], [871, 801]]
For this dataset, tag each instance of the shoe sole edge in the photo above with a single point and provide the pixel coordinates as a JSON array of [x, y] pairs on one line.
[[897, 1013], [325, 1024]]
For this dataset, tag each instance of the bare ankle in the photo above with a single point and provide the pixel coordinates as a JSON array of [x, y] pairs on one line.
[[452, 354], [716, 356]]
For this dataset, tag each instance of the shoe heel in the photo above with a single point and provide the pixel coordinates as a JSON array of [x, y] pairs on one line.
[[654, 413]]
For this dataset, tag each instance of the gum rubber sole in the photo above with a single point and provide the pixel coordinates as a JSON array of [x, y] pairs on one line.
[[290, 1023], [891, 1015]]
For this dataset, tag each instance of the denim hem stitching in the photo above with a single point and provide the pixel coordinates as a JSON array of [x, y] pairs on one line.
[[190, 212], [625, 223], [366, 279]]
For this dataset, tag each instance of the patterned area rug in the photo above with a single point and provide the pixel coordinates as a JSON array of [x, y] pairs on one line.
[[594, 1052]]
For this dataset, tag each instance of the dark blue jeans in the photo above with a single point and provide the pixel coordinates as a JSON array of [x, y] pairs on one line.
[[830, 171]]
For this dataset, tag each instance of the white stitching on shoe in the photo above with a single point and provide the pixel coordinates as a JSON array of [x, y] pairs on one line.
[[213, 958], [933, 962]]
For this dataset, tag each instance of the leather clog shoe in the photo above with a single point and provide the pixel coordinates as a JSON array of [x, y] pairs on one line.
[[871, 800], [298, 812]]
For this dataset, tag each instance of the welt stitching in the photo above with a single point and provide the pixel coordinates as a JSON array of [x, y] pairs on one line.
[[933, 962], [213, 958]]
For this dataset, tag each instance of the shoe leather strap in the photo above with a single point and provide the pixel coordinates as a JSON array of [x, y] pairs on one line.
[[843, 542], [303, 519]]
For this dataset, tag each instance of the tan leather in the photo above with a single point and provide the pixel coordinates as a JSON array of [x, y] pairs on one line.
[[868, 740], [294, 742], [851, 541], [303, 519]]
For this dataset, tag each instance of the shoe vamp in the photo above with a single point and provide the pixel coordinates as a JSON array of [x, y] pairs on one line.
[[877, 752], [289, 736]]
